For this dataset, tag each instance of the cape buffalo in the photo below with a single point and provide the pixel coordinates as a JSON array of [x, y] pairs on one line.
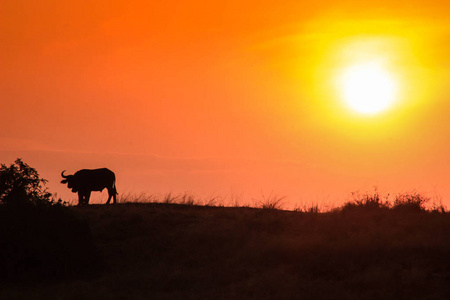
[[86, 181]]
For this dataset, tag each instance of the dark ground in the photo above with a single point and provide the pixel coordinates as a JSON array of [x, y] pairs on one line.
[[172, 251]]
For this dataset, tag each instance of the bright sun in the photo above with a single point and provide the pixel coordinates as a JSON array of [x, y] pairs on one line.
[[367, 88]]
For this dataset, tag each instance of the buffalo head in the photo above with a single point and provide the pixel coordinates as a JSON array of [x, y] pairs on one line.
[[70, 180]]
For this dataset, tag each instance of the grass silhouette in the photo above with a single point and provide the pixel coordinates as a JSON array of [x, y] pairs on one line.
[[369, 248]]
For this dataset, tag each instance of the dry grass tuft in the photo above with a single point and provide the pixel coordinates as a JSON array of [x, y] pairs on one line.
[[272, 202]]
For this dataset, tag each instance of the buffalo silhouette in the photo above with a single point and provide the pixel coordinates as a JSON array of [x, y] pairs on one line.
[[86, 181]]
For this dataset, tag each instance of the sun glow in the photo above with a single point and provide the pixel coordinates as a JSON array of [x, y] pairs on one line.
[[367, 88]]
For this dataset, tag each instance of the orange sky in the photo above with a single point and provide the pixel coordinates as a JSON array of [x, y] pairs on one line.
[[225, 98]]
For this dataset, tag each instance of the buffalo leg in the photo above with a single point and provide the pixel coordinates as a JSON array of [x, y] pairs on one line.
[[80, 198], [87, 197], [110, 194], [83, 198]]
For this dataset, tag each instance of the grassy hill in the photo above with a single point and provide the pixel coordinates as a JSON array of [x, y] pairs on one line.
[[173, 251]]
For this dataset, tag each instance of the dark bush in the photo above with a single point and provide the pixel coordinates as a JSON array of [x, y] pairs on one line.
[[366, 202], [21, 185], [410, 202], [40, 238]]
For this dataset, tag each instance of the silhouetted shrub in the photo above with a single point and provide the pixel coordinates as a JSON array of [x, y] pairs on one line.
[[39, 237], [21, 185], [366, 202], [410, 202]]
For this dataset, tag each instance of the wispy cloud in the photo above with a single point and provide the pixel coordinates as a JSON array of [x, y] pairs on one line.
[[18, 144]]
